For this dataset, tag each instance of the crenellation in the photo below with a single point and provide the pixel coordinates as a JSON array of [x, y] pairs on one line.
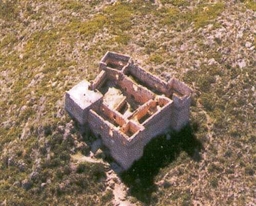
[[127, 106]]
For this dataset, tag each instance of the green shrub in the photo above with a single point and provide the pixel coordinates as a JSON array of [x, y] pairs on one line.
[[81, 167], [207, 101], [214, 182], [205, 83], [107, 197], [9, 9], [97, 171], [122, 39], [156, 58], [72, 5], [176, 2], [251, 4], [205, 14], [249, 170], [186, 198], [86, 28], [119, 16], [168, 15], [191, 76], [9, 39]]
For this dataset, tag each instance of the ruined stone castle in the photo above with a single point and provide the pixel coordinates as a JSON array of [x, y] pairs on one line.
[[127, 106]]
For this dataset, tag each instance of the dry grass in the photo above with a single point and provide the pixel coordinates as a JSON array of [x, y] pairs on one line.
[[47, 47]]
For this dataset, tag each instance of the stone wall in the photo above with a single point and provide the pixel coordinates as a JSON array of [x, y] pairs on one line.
[[99, 80], [114, 115], [147, 79], [158, 123], [180, 87], [135, 91], [114, 60], [116, 141], [127, 117], [74, 110], [80, 99], [180, 113]]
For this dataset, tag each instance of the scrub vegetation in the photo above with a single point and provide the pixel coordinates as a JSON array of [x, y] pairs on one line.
[[46, 47]]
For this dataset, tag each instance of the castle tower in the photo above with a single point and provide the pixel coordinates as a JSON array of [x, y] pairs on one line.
[[80, 99], [181, 96]]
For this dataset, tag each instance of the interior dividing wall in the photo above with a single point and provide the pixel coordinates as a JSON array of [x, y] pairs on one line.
[[113, 115], [134, 91], [115, 140], [102, 127]]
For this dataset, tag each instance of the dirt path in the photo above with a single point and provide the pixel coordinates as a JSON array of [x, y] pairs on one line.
[[113, 182], [119, 190]]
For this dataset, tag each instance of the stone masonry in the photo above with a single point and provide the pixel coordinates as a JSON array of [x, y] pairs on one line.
[[127, 106]]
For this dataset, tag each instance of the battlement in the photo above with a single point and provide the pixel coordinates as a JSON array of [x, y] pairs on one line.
[[127, 106]]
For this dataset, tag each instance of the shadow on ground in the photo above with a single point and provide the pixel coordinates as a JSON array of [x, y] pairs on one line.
[[159, 153]]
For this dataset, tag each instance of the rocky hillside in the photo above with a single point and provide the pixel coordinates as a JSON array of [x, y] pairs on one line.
[[47, 46]]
